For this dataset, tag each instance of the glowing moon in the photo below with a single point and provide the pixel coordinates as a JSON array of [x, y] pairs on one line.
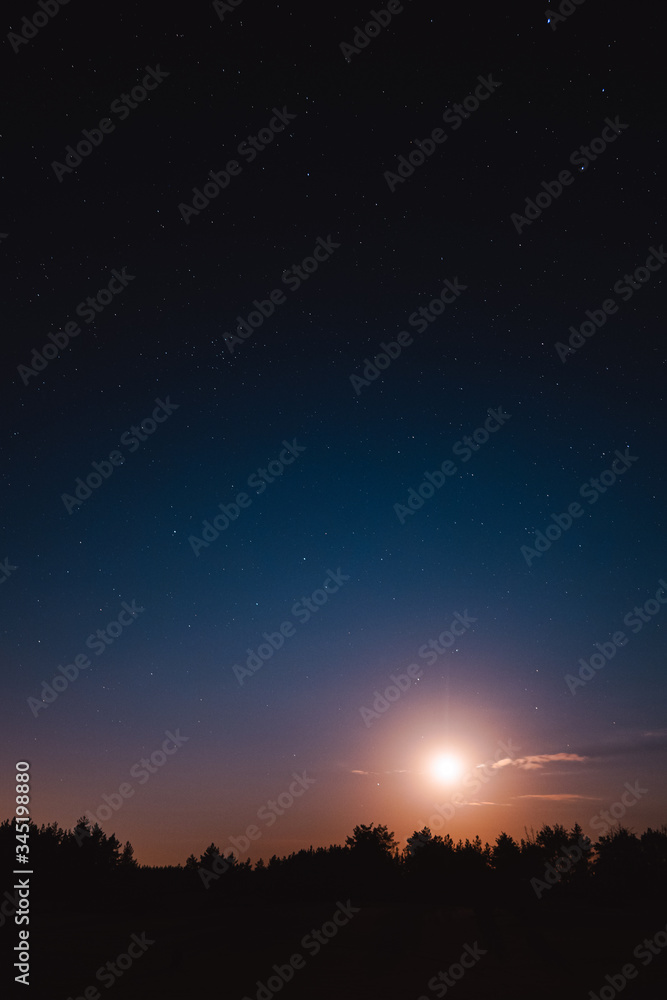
[[446, 768]]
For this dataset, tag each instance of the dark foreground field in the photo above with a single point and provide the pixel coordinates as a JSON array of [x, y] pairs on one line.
[[382, 951], [552, 917]]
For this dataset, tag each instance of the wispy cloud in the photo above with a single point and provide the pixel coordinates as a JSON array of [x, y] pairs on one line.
[[489, 803], [531, 763], [535, 761], [629, 740], [560, 797], [403, 770]]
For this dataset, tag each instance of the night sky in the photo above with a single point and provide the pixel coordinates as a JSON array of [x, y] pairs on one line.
[[210, 363]]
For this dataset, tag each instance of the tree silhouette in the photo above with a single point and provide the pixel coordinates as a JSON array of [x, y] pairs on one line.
[[373, 860], [85, 868], [506, 853], [127, 860], [372, 842]]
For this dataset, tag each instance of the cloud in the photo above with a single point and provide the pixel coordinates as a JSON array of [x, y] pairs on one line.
[[403, 770], [488, 803], [531, 763], [535, 761], [560, 797], [629, 740]]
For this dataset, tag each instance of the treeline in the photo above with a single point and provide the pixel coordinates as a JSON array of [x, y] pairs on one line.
[[84, 867]]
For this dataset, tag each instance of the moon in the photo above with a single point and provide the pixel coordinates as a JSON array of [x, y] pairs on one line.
[[446, 767]]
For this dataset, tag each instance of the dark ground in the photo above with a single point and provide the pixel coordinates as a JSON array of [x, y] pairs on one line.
[[384, 951]]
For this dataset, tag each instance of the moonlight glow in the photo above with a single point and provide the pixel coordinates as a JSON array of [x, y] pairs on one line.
[[446, 768]]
